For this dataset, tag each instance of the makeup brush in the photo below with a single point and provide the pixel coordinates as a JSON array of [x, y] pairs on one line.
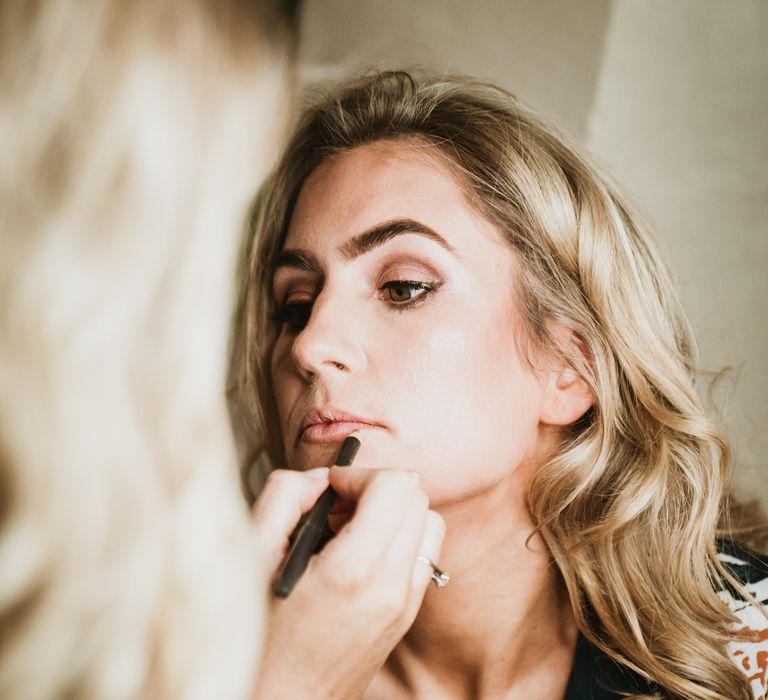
[[311, 532]]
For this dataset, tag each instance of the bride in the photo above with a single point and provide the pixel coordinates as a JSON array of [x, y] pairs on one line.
[[438, 271]]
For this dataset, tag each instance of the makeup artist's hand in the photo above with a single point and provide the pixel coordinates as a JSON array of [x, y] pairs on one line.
[[360, 595]]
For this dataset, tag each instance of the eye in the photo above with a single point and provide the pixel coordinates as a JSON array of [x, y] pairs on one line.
[[404, 292], [294, 315]]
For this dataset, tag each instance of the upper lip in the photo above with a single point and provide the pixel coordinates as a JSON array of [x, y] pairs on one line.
[[332, 415]]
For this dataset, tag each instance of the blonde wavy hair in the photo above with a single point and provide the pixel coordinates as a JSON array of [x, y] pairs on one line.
[[132, 134], [630, 505]]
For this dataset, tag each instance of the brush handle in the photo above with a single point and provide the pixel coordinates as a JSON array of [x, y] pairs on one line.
[[310, 534]]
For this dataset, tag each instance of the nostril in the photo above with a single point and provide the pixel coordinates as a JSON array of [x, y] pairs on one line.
[[326, 347]]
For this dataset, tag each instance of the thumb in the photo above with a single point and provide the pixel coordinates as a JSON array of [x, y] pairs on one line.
[[286, 496]]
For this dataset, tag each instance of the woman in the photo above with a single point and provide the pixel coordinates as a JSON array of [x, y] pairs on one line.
[[437, 270], [132, 135]]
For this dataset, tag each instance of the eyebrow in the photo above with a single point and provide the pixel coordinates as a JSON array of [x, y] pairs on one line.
[[386, 231], [362, 243], [296, 259]]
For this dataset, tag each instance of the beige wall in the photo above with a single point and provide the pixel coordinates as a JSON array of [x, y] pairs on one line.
[[672, 96], [681, 116]]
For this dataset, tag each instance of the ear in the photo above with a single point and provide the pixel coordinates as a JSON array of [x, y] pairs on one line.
[[567, 396]]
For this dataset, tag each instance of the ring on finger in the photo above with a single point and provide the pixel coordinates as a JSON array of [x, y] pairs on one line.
[[439, 577]]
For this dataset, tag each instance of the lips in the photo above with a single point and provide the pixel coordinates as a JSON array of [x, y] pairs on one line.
[[332, 425]]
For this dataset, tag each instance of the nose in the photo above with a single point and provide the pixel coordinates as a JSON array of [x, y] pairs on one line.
[[331, 342]]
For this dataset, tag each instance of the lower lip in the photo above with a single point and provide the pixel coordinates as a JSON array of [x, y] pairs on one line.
[[332, 432]]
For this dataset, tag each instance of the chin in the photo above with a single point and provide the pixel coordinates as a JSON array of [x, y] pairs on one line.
[[308, 456]]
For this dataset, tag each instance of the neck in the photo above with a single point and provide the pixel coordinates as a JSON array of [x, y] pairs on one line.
[[504, 616]]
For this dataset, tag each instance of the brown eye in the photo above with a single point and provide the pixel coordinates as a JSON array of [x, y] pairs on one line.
[[402, 292]]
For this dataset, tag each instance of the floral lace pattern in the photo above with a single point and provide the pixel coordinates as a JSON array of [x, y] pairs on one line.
[[749, 649]]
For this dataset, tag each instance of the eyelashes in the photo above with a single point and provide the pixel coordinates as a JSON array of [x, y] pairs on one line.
[[293, 316], [399, 295], [405, 293]]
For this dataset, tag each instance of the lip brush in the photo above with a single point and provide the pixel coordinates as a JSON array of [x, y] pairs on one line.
[[308, 538]]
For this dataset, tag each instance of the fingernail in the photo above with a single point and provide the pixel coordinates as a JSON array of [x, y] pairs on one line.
[[416, 477], [319, 473]]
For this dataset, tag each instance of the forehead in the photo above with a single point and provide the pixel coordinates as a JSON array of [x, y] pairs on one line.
[[357, 189]]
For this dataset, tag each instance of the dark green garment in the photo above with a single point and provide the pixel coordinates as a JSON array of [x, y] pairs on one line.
[[597, 677]]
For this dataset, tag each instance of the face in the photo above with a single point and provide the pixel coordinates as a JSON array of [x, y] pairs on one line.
[[397, 320]]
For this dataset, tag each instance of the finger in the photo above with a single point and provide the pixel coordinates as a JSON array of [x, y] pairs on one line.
[[352, 482], [286, 496], [405, 545], [384, 497], [341, 513], [343, 505], [430, 546], [336, 521]]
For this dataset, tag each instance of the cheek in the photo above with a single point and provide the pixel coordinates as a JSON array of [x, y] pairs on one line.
[[470, 405], [284, 386], [476, 361]]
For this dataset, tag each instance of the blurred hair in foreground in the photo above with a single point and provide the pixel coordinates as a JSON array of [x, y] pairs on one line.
[[132, 135]]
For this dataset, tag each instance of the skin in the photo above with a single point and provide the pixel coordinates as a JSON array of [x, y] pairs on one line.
[[414, 343], [401, 360], [366, 579]]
